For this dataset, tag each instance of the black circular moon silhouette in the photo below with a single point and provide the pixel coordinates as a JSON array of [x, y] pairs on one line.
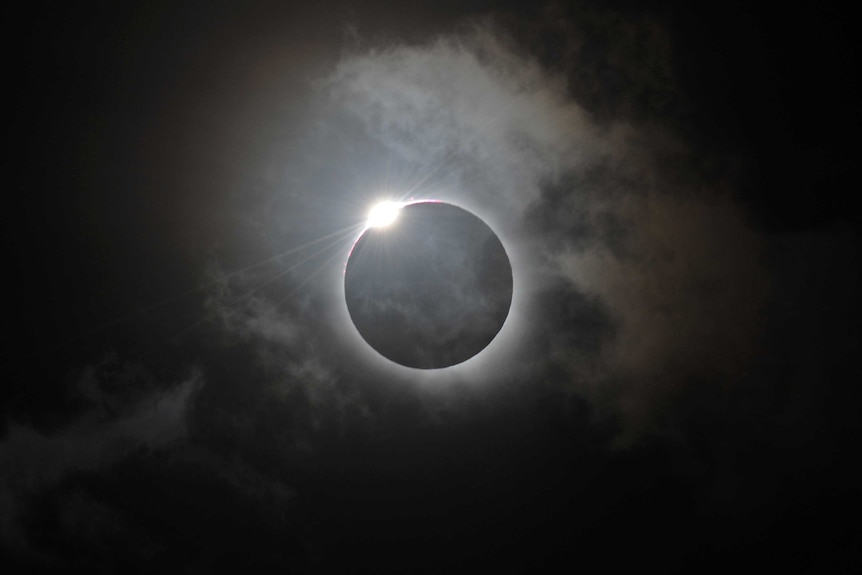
[[430, 290]]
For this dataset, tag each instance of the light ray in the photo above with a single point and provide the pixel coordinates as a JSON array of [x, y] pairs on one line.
[[338, 234]]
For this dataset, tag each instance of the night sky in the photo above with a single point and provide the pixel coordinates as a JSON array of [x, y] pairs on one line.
[[676, 386]]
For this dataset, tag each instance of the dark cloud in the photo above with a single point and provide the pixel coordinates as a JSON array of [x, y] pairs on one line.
[[122, 417]]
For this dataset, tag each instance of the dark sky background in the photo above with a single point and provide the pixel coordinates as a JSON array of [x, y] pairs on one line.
[[677, 385]]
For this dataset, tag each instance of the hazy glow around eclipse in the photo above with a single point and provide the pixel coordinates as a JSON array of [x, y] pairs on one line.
[[383, 214]]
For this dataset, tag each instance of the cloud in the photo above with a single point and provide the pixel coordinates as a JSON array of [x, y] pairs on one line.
[[688, 296], [472, 104], [120, 420], [612, 208], [289, 342]]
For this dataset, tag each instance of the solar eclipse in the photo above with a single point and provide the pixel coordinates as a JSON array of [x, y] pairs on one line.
[[428, 285]]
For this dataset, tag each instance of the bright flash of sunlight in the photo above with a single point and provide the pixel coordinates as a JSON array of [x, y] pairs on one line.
[[383, 214]]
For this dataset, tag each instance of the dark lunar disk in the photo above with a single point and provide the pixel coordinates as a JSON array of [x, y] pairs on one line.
[[432, 289]]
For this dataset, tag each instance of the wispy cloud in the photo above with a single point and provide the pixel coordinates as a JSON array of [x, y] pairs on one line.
[[112, 428], [612, 207]]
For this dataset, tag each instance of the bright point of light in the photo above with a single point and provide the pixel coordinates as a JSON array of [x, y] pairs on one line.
[[383, 214]]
